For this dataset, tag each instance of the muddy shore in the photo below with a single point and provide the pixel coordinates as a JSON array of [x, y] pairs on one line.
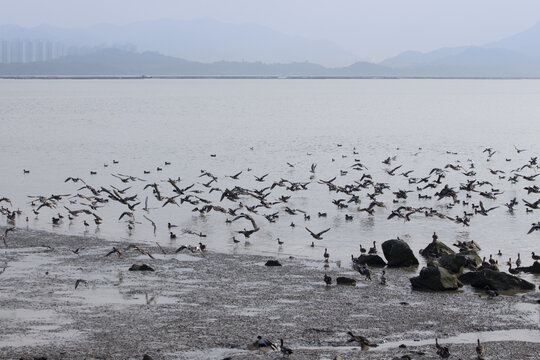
[[212, 306]]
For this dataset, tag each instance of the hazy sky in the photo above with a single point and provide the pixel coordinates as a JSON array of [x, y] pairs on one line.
[[371, 29]]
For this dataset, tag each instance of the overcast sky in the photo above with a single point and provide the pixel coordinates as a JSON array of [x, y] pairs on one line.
[[372, 29]]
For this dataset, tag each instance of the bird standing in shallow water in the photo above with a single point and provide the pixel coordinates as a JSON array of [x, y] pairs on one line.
[[480, 350], [367, 272], [285, 350], [365, 344], [384, 280], [264, 345], [442, 351], [327, 279]]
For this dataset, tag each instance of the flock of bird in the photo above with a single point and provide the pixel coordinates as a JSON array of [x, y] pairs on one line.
[[357, 193], [360, 197]]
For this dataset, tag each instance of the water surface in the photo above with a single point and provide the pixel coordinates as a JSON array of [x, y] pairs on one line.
[[62, 128]]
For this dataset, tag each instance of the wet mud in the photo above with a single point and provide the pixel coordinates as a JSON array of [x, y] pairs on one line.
[[212, 305]]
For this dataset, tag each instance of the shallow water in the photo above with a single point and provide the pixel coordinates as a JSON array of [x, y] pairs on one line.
[[527, 335], [62, 128]]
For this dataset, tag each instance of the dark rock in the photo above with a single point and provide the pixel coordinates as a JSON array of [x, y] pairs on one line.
[[473, 260], [496, 280], [398, 253], [436, 249], [273, 263], [435, 278], [453, 263], [371, 260], [147, 357], [345, 281], [140, 267], [534, 268]]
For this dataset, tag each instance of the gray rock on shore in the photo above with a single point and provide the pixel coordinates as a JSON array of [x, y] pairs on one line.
[[435, 278], [453, 263], [398, 253], [496, 280], [436, 249], [473, 260]]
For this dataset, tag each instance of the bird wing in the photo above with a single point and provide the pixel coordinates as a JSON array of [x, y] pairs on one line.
[[322, 232], [125, 213]]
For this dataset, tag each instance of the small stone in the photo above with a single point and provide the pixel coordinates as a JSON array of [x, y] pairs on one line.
[[147, 357], [345, 281], [140, 267], [272, 263]]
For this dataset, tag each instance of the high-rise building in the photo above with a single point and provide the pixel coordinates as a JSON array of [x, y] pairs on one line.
[[58, 50], [38, 51], [16, 51], [48, 46], [4, 52], [28, 51]]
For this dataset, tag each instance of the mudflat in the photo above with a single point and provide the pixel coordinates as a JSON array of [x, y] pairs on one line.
[[212, 306]]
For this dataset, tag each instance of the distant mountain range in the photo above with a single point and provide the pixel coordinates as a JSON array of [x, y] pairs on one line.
[[515, 56]]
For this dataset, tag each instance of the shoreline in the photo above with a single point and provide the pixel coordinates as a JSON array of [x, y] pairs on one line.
[[250, 77], [212, 306]]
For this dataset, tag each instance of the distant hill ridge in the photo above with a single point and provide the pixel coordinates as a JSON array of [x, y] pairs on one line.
[[116, 62], [515, 56]]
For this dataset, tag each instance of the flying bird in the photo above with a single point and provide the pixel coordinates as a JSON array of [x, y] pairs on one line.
[[317, 236]]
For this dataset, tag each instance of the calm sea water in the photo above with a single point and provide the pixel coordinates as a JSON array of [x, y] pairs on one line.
[[62, 128]]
